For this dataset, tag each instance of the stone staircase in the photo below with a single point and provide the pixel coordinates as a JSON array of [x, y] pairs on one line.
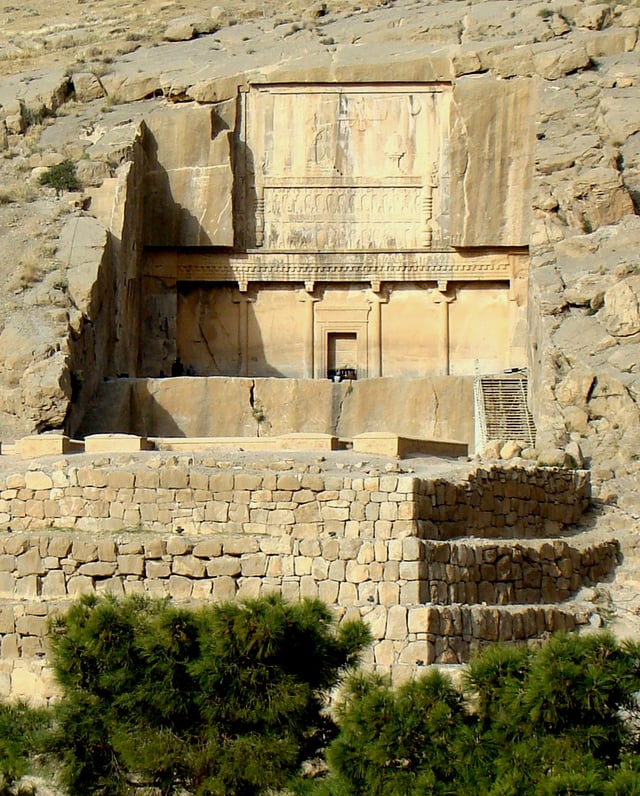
[[502, 411]]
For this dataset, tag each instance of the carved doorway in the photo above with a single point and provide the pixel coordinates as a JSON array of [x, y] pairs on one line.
[[342, 352]]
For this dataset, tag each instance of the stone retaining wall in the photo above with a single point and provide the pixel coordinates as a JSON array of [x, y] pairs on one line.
[[176, 494], [383, 581], [500, 503], [516, 573], [217, 532], [455, 632]]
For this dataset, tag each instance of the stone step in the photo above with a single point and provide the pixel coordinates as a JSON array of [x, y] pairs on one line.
[[531, 571], [456, 632]]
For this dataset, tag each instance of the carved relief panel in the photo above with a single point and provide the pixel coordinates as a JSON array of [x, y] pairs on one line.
[[334, 168]]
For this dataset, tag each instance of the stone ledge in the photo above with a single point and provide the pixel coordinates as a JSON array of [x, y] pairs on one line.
[[284, 442], [113, 443], [381, 443]]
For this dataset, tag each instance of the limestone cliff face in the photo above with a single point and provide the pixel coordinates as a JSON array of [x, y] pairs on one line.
[[188, 183], [492, 157]]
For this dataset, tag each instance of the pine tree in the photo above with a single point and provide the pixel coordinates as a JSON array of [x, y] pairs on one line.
[[226, 700], [561, 720]]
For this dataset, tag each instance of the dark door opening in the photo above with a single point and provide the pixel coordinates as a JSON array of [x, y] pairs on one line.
[[342, 355]]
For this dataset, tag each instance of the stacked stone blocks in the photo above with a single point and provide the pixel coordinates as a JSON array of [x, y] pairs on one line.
[[358, 542]]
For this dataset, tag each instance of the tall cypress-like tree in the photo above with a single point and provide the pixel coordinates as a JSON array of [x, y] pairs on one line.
[[227, 700]]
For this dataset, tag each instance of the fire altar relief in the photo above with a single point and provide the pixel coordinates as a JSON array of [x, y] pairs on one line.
[[334, 168]]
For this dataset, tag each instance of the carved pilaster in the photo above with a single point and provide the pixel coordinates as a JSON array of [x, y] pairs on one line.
[[376, 297], [243, 300], [443, 298], [260, 219]]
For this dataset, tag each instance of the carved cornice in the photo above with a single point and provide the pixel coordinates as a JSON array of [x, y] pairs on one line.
[[308, 268]]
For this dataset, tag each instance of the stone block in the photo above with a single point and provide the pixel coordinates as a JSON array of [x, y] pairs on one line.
[[7, 584], [46, 445], [98, 569], [415, 653], [7, 563], [209, 548], [356, 573], [54, 584], [9, 647], [173, 478], [7, 621], [91, 477], [84, 551], [377, 444], [249, 588], [417, 619], [79, 584], [384, 653], [308, 588], [178, 546], [413, 592], [202, 589], [180, 588], [114, 443], [238, 545], [35, 479], [131, 565], [121, 479], [188, 565], [157, 569], [328, 591], [224, 588], [347, 594], [31, 625], [388, 593], [254, 565], [221, 482]]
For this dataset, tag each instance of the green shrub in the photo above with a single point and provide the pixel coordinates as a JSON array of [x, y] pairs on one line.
[[559, 720], [31, 116], [61, 176], [226, 700], [21, 729]]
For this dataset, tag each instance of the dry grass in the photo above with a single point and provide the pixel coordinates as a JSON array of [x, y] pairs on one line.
[[17, 191], [31, 270]]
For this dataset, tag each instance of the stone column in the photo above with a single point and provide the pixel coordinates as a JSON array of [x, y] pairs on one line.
[[376, 297], [243, 299], [443, 296], [307, 297]]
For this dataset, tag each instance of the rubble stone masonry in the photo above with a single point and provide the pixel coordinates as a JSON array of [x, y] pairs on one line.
[[379, 547]]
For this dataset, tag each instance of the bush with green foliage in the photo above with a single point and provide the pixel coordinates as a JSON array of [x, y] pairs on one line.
[[560, 720], [21, 728], [226, 701], [61, 176]]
